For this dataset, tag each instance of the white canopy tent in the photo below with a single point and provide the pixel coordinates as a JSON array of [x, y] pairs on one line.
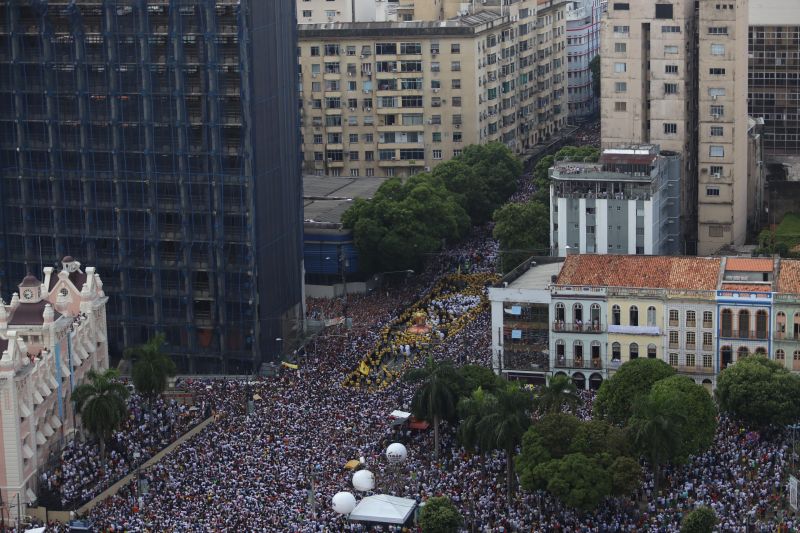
[[399, 417], [383, 509]]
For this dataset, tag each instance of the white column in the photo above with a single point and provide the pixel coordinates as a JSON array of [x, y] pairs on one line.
[[648, 227], [601, 225], [553, 236], [632, 227], [497, 327], [562, 227], [582, 225]]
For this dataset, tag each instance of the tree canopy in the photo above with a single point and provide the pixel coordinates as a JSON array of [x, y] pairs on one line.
[[474, 376], [759, 393], [436, 398], [523, 230], [151, 367], [100, 401], [560, 391], [618, 395], [439, 515], [700, 520], [404, 222]]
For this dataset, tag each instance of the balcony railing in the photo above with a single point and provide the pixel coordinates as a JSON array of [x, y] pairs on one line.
[[743, 334], [787, 335], [585, 362], [559, 325]]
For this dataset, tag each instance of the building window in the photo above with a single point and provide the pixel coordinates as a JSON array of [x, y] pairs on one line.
[[455, 84], [780, 355], [716, 131], [457, 137], [620, 87], [620, 48], [670, 128], [307, 14], [633, 316], [690, 360], [671, 49], [671, 69], [718, 30], [744, 324], [455, 48], [652, 352], [370, 172], [620, 67], [456, 153], [727, 321], [437, 154], [715, 171], [620, 106], [622, 29], [651, 316], [616, 315], [673, 339], [616, 351], [663, 11], [670, 88], [717, 49], [633, 351], [455, 66], [436, 136], [673, 318], [716, 151], [708, 340], [353, 156], [690, 340], [673, 359], [456, 101], [708, 319], [717, 111], [707, 360], [715, 230], [435, 67], [369, 155], [354, 172], [670, 29], [712, 191], [716, 71], [691, 319], [622, 6]]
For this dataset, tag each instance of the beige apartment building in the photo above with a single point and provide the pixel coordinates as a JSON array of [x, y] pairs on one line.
[[323, 11], [722, 150], [397, 98], [661, 85]]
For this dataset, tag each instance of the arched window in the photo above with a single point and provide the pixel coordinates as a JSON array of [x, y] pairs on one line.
[[651, 351], [727, 323], [796, 329], [595, 353], [595, 316], [577, 313], [561, 357], [651, 316], [616, 351], [560, 313], [761, 351], [742, 352], [780, 355], [780, 324], [744, 324], [634, 351], [577, 353], [796, 360], [726, 353], [616, 315], [634, 315], [761, 324]]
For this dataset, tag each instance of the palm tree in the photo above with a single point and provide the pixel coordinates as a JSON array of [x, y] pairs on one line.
[[437, 396], [559, 392], [496, 421], [101, 403], [151, 368], [654, 433]]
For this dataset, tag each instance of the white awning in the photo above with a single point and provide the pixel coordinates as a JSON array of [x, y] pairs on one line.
[[40, 439], [399, 416], [47, 430], [44, 389], [37, 398], [24, 410], [91, 347], [383, 509], [31, 495], [83, 353], [64, 369], [51, 380], [55, 421], [35, 530], [27, 453]]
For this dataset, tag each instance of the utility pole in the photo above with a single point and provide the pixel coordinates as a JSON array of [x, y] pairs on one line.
[[343, 269]]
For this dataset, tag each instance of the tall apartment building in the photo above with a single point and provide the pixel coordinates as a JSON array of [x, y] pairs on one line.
[[323, 11], [774, 74], [52, 333], [583, 44], [675, 76], [628, 202], [396, 98], [722, 147], [156, 139]]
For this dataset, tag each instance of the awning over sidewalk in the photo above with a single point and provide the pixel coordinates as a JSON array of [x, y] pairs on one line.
[[383, 509]]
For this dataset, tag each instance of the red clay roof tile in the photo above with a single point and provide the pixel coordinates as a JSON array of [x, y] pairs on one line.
[[789, 276], [747, 264]]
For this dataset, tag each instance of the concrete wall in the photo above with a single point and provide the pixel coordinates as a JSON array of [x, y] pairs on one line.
[[337, 290], [783, 197]]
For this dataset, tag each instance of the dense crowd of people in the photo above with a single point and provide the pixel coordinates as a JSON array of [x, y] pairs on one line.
[[275, 455]]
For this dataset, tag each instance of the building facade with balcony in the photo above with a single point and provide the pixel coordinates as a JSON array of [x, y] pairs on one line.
[[583, 44], [397, 98], [786, 313], [51, 334], [628, 202]]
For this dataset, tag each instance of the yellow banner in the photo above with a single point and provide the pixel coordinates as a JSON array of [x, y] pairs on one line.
[[363, 368], [290, 365]]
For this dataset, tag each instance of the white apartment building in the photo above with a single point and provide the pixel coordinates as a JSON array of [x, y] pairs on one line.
[[583, 44], [51, 334], [323, 11], [396, 98]]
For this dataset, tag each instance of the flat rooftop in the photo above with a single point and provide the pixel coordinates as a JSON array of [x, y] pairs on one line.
[[538, 277], [325, 199]]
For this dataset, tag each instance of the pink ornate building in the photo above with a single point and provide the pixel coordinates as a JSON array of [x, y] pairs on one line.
[[51, 334]]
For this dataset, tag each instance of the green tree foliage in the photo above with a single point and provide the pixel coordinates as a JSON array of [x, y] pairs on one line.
[[598, 436], [594, 67], [469, 188], [523, 231], [404, 222], [700, 520], [576, 480], [439, 515], [618, 395], [151, 367], [496, 421], [559, 392], [541, 172], [656, 430], [474, 376], [436, 398], [497, 165], [625, 474], [100, 401], [759, 393], [696, 407]]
